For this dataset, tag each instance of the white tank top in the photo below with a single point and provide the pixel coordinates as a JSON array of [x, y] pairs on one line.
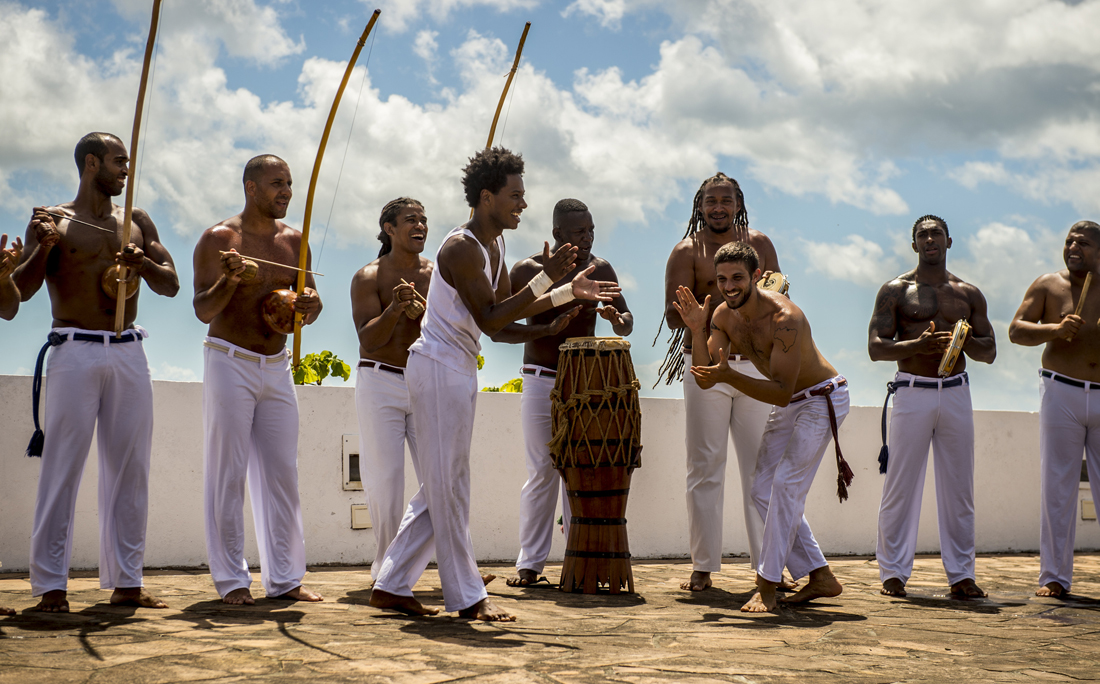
[[448, 333]]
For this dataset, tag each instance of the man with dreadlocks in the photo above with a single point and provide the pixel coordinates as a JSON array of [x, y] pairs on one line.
[[1053, 314], [914, 315], [546, 331], [387, 315], [467, 297], [810, 401], [718, 217]]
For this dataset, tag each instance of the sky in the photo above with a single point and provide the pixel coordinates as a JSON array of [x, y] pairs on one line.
[[843, 121]]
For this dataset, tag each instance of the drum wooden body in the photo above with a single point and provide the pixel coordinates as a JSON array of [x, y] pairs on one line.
[[596, 425], [109, 282]]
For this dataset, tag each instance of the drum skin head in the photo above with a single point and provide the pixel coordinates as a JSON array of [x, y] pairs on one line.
[[597, 343], [278, 310]]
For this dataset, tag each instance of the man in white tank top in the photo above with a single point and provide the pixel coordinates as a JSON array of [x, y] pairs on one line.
[[467, 297]]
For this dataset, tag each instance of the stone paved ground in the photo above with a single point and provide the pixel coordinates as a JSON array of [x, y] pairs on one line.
[[662, 634]]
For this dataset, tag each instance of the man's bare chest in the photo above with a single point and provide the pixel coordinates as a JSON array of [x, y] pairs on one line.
[[943, 304]]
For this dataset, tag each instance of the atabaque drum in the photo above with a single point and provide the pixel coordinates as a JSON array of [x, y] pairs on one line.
[[596, 427], [278, 310]]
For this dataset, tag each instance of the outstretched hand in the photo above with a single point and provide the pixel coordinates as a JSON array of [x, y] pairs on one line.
[[691, 311], [598, 290], [708, 376], [560, 263], [9, 256]]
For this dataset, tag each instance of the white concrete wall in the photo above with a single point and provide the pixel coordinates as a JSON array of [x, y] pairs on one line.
[[1007, 477]]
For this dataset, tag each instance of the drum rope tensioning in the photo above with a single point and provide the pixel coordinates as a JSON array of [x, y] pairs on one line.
[[596, 427]]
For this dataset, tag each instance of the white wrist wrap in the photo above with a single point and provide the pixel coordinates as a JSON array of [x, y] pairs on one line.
[[540, 283], [562, 295]]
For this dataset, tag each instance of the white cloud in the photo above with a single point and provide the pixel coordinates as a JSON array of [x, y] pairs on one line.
[[242, 27], [858, 261], [398, 15], [167, 371], [609, 12], [425, 48]]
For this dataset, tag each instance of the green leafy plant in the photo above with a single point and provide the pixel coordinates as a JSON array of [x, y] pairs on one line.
[[316, 367], [514, 385], [480, 361]]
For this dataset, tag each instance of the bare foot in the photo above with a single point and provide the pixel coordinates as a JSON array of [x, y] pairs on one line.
[[699, 581], [1052, 589], [893, 587], [821, 584], [489, 577], [763, 601], [786, 584], [966, 589], [55, 601], [524, 577], [487, 611], [402, 604], [239, 597], [7, 611], [136, 597], [299, 593]]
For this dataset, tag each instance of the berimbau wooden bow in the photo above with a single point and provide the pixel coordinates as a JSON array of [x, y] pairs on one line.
[[303, 255], [504, 93], [127, 221]]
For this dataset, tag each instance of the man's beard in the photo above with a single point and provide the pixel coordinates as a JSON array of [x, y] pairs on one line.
[[106, 183], [726, 229], [734, 304]]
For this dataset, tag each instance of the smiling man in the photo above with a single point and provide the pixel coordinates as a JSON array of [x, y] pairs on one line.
[[1068, 422], [714, 415], [250, 409], [912, 323], [93, 376], [387, 315], [573, 225], [468, 296], [809, 399]]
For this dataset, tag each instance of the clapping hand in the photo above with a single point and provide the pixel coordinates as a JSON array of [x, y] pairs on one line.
[[598, 290], [691, 311]]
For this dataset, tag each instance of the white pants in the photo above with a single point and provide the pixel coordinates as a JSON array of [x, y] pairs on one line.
[[713, 415], [944, 419], [88, 382], [790, 452], [385, 423], [538, 500], [250, 420], [443, 403], [1068, 424]]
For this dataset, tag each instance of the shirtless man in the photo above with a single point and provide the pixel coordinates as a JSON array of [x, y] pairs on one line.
[[250, 409], [9, 293], [1068, 424], [380, 300], [914, 316], [93, 375], [468, 296], [541, 337], [715, 415], [806, 393]]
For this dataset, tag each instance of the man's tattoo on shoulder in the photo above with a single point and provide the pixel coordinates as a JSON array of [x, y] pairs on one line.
[[713, 326], [786, 337]]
